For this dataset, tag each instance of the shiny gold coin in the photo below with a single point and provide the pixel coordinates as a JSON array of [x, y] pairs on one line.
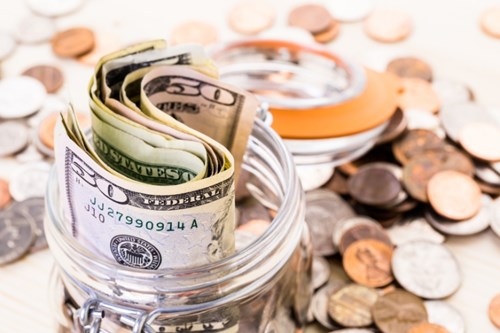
[[350, 306]]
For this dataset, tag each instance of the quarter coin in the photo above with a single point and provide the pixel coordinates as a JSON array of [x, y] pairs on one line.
[[20, 96], [53, 8], [418, 94], [388, 26], [350, 306], [481, 140], [428, 328], [410, 67], [251, 17], [73, 42], [5, 197], [441, 313], [311, 17], [194, 32], [494, 311], [14, 137], [51, 77], [16, 235], [30, 181], [490, 21]]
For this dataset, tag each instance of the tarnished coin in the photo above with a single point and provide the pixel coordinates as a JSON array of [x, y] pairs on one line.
[[50, 76], [443, 314], [350, 306], [320, 272], [454, 195], [329, 34], [368, 262], [360, 232], [194, 32], [20, 96], [473, 225], [374, 186], [16, 235], [34, 29], [495, 216], [415, 142], [411, 229], [54, 8], [5, 197], [251, 17], [388, 26], [311, 17], [418, 94], [486, 173], [14, 136], [410, 67], [349, 10], [490, 21], [73, 42], [427, 328], [420, 170], [320, 303], [481, 140], [455, 117], [30, 181], [398, 311], [33, 209], [324, 209], [451, 92], [494, 311], [397, 125], [419, 119], [7, 45], [426, 269]]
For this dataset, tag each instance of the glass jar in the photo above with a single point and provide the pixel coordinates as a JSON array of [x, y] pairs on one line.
[[264, 287]]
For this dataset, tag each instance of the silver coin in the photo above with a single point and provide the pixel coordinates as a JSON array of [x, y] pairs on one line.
[[14, 137], [441, 313], [16, 235], [426, 269], [33, 209], [451, 92], [419, 119], [479, 222], [411, 229], [495, 216], [30, 181], [486, 173], [7, 45], [34, 29], [455, 116], [313, 177], [20, 96], [320, 272], [320, 304], [29, 155], [350, 10], [344, 225], [53, 8], [324, 209]]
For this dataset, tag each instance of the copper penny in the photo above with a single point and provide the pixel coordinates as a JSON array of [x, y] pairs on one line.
[[73, 42], [47, 126], [494, 311], [481, 141], [415, 142], [388, 26], [454, 195], [194, 32], [490, 21], [256, 227], [418, 94], [420, 170], [350, 306], [397, 125], [311, 17], [51, 77], [251, 17], [5, 197], [398, 311], [368, 262], [428, 328], [374, 186], [363, 231], [410, 67], [329, 34]]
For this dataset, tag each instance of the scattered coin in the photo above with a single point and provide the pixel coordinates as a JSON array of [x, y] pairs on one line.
[[5, 197], [311, 17], [368, 262], [426, 269], [7, 45], [418, 94], [350, 306], [33, 209], [54, 8], [415, 142], [47, 126], [454, 195], [14, 136], [320, 303], [194, 32], [16, 235], [410, 67], [388, 26], [481, 140], [455, 116], [320, 272], [34, 29], [412, 229], [374, 186], [443, 314], [428, 328], [363, 231], [397, 125], [495, 218], [30, 181], [451, 92], [398, 311], [73, 42], [329, 34], [350, 11], [51, 77], [251, 17], [20, 96], [494, 311], [490, 21]]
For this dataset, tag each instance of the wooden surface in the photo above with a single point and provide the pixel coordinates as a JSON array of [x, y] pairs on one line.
[[446, 34]]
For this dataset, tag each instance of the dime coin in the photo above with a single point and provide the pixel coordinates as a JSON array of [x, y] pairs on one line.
[[368, 262], [53, 8], [324, 209], [455, 117], [14, 137], [426, 269], [428, 328], [16, 235], [360, 232], [320, 303], [256, 227], [397, 125], [34, 29], [194, 32], [398, 311], [454, 195], [388, 26], [5, 197], [51, 77], [30, 181], [251, 17], [494, 311], [320, 272], [486, 173], [418, 94], [20, 96], [411, 229], [490, 21], [410, 67], [350, 306], [443, 314], [495, 218], [481, 141], [311, 17], [350, 11], [7, 45], [73, 42], [415, 142], [33, 209], [329, 34], [374, 186], [451, 92]]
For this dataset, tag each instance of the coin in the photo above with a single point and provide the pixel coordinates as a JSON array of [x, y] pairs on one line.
[[30, 181], [16, 235], [368, 262], [374, 186], [486, 173], [494, 311], [34, 29], [53, 8], [344, 225], [454, 195], [29, 155], [398, 311], [324, 209], [410, 67], [490, 21], [5, 197], [455, 116], [320, 303], [47, 126], [427, 328], [7, 45], [311, 17], [350, 306], [337, 184], [415, 142], [51, 77], [313, 176], [360, 232], [194, 32], [426, 269], [73, 42], [451, 92], [349, 10], [388, 26], [397, 125], [411, 229], [14, 136], [495, 216], [320, 272], [329, 34], [20, 96], [419, 119], [418, 172], [443, 314], [481, 140], [418, 94], [33, 209], [251, 17]]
